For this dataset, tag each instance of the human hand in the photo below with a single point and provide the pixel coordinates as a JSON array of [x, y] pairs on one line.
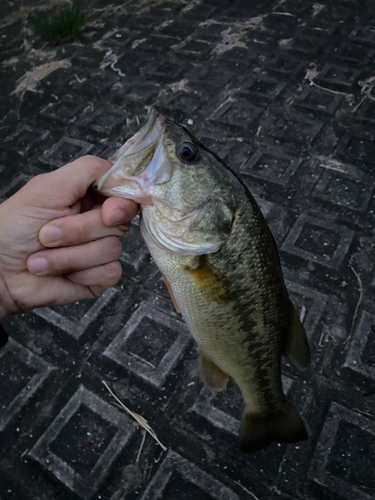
[[57, 243]]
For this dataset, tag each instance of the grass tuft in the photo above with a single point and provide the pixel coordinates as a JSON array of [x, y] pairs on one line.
[[63, 26]]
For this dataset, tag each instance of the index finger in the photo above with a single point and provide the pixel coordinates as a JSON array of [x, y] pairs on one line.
[[66, 185], [73, 180]]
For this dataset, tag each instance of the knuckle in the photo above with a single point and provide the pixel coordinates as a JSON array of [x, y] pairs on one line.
[[36, 181], [97, 290], [124, 228], [80, 230], [113, 245], [114, 272], [89, 158]]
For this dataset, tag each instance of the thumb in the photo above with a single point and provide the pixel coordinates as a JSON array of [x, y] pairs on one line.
[[117, 211], [69, 183]]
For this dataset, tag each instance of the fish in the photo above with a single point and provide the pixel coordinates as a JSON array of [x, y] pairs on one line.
[[220, 264]]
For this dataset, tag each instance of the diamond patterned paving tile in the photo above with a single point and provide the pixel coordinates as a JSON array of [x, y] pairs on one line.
[[22, 373], [59, 449], [331, 241], [178, 477], [345, 435], [282, 90], [149, 345]]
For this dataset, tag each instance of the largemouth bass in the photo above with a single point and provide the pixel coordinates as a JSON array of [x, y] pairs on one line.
[[220, 264]]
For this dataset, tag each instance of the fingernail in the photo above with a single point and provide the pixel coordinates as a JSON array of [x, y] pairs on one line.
[[38, 265], [117, 217], [52, 234]]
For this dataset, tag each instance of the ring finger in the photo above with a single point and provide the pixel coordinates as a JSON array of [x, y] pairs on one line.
[[105, 276]]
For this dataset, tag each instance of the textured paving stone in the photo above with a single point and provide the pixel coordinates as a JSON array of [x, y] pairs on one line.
[[282, 90]]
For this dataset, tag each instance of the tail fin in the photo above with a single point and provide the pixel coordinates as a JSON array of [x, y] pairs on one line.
[[284, 426]]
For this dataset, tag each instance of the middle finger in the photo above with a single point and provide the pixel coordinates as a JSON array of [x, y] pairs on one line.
[[78, 229]]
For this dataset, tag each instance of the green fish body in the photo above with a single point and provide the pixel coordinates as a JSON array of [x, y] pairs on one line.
[[219, 260]]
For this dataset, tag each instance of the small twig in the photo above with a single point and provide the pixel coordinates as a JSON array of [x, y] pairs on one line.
[[359, 104], [117, 69], [143, 360], [191, 383], [332, 167], [141, 447], [302, 313], [138, 418], [118, 406], [247, 491], [312, 72], [363, 412], [330, 90], [367, 86], [158, 459], [239, 139], [147, 474], [78, 79], [324, 335], [358, 304]]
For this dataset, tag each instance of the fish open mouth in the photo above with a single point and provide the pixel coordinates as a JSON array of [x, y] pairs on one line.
[[135, 155], [143, 138]]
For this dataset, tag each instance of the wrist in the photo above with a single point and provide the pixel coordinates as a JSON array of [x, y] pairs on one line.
[[7, 306]]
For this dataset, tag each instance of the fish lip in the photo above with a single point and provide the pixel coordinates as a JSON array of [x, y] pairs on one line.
[[132, 146], [143, 133]]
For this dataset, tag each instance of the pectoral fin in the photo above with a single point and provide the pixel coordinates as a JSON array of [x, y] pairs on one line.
[[169, 288], [296, 346], [212, 284]]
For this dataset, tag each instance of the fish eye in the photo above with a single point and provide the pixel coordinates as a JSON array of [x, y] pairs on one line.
[[188, 151]]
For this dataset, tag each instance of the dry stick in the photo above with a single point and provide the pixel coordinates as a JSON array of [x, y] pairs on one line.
[[363, 412], [366, 88], [142, 359], [358, 304], [330, 90], [138, 418], [247, 491], [141, 447]]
